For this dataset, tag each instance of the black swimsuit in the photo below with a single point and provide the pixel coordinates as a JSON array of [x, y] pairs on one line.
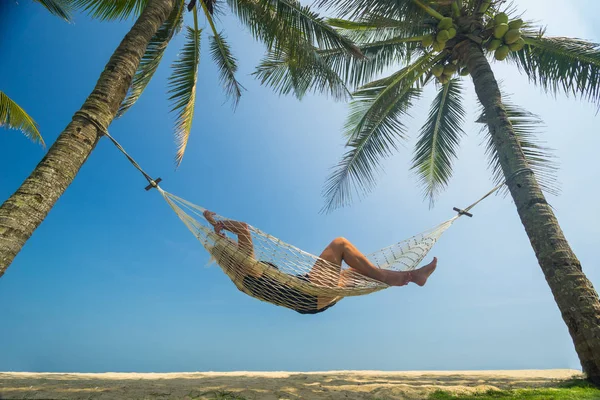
[[273, 291]]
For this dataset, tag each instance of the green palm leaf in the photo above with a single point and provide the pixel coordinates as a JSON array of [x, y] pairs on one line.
[[227, 64], [540, 158], [60, 8], [152, 57], [221, 54], [373, 129], [283, 23], [111, 9], [182, 88], [300, 74], [14, 117], [393, 9], [375, 28], [309, 69], [369, 110], [436, 148], [357, 168], [561, 64], [379, 56]]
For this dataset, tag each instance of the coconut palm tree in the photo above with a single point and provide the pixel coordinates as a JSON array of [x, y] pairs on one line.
[[441, 43], [131, 67]]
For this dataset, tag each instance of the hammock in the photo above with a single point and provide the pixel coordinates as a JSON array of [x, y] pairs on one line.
[[277, 272], [281, 274]]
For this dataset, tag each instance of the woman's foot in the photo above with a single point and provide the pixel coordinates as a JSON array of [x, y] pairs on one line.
[[421, 275]]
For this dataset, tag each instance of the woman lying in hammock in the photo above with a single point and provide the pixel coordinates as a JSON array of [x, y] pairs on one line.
[[327, 271]]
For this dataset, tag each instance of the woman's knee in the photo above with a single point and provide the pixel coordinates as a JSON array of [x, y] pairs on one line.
[[340, 242]]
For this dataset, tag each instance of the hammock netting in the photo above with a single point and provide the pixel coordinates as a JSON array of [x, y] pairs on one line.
[[279, 273]]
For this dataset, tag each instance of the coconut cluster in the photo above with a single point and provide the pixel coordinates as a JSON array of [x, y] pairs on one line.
[[446, 30], [445, 71], [506, 36]]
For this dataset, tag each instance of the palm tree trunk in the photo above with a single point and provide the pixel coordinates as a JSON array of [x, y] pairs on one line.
[[25, 210], [573, 292]]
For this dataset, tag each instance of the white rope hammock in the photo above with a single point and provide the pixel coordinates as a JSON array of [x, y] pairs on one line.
[[278, 273]]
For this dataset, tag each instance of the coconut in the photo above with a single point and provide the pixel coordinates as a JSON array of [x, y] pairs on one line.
[[516, 24], [502, 53], [500, 31], [437, 70], [501, 18], [444, 79], [451, 33], [443, 36], [428, 40], [437, 46], [445, 23], [464, 71], [518, 45], [494, 44], [512, 36], [450, 69]]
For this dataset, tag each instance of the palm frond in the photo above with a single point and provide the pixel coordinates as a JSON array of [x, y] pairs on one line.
[[309, 69], [393, 9], [14, 117], [368, 112], [152, 57], [540, 158], [379, 56], [227, 64], [60, 8], [182, 88], [221, 54], [111, 9], [560, 64], [299, 74], [356, 171], [373, 128], [286, 22], [375, 28], [436, 148]]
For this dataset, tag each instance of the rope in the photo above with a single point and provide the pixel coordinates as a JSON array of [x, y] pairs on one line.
[[104, 131], [465, 211]]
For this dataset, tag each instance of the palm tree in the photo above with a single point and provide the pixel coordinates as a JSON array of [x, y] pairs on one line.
[[14, 117], [440, 42], [275, 22]]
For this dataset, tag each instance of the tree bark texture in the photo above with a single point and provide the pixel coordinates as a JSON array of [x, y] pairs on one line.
[[573, 292]]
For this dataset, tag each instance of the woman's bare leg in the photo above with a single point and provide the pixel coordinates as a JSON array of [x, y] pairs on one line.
[[342, 250]]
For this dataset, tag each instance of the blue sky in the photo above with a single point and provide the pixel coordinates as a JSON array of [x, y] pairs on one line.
[[113, 281]]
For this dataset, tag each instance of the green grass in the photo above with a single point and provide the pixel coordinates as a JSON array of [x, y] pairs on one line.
[[570, 390]]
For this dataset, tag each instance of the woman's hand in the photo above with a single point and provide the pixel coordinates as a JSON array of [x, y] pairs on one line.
[[217, 225]]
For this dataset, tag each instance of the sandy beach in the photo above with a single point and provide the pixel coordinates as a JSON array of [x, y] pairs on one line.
[[330, 385]]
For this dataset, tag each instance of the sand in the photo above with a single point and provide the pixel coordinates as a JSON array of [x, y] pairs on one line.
[[347, 385]]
